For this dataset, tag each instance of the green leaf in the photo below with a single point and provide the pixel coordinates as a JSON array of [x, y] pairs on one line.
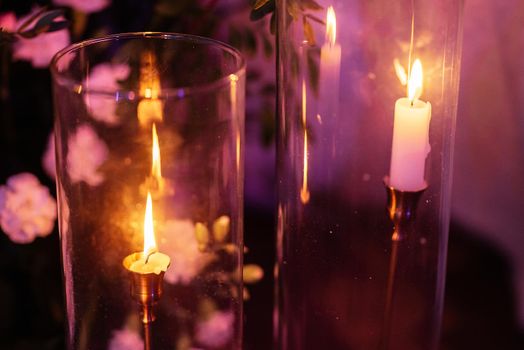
[[221, 228], [46, 23], [310, 5], [259, 3], [252, 273], [259, 13], [202, 235], [294, 9], [30, 20], [309, 33]]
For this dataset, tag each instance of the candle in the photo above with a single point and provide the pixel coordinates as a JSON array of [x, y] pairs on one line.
[[149, 260], [410, 136], [150, 107], [330, 62]]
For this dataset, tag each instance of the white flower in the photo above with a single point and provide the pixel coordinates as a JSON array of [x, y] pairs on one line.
[[104, 77], [125, 339], [40, 49], [48, 160], [86, 6], [217, 330], [27, 210], [178, 240], [86, 153]]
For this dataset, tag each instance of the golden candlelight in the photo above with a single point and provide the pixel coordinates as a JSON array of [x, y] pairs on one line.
[[415, 81], [155, 183], [233, 97], [156, 167], [147, 270], [331, 26], [149, 260], [304, 192], [329, 74], [150, 107], [149, 232], [147, 267]]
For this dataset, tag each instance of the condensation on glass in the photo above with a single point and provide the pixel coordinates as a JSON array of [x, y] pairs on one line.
[[367, 107], [149, 144]]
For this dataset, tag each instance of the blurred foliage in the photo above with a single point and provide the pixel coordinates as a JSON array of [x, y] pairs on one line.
[[30, 275]]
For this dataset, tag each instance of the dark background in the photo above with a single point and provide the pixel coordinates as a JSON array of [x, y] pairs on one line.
[[479, 311]]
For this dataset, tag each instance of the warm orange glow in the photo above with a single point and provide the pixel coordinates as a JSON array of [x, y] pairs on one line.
[[149, 232], [233, 96], [148, 93], [331, 26], [304, 192], [415, 81], [149, 76], [150, 107], [156, 167]]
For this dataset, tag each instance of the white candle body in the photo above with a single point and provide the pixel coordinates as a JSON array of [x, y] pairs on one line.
[[410, 145], [327, 107], [329, 73]]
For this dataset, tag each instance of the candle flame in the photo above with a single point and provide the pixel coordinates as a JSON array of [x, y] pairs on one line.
[[149, 233], [331, 26], [415, 81], [156, 167]]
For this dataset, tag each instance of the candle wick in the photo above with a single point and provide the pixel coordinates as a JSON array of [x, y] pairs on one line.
[[148, 256]]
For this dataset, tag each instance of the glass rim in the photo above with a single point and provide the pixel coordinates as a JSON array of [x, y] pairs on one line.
[[130, 94]]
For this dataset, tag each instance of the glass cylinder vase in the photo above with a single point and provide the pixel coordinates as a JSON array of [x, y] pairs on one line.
[[149, 145], [367, 107]]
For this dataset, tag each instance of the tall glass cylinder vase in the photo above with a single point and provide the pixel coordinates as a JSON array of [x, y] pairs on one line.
[[367, 106], [149, 139]]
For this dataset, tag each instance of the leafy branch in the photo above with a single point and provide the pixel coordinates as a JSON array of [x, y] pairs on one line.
[[296, 10], [42, 21]]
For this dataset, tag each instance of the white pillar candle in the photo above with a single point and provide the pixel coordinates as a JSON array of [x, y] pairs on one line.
[[330, 62], [410, 137]]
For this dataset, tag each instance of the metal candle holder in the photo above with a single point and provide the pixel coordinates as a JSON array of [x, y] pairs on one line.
[[146, 290], [401, 207]]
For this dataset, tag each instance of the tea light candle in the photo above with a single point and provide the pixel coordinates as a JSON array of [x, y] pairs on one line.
[[150, 260]]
